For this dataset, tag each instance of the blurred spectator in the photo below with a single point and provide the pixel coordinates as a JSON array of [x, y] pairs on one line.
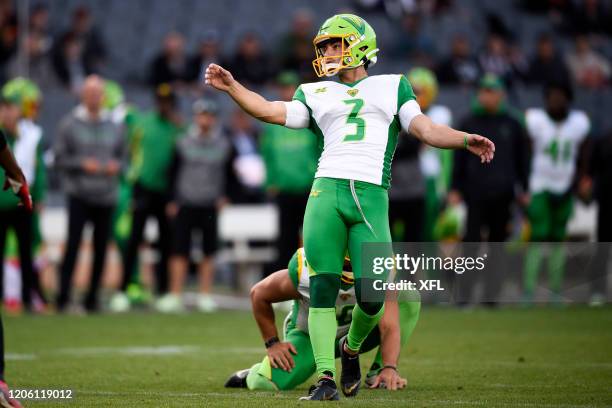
[[412, 43], [170, 65], [31, 136], [461, 67], [38, 66], [8, 35], [296, 50], [89, 151], [290, 156], [208, 53], [247, 170], [250, 64], [600, 176], [558, 134], [588, 68], [580, 17], [28, 155], [67, 59], [200, 155], [501, 59], [80, 51], [591, 16], [153, 140], [547, 65], [489, 190], [39, 24], [38, 44]]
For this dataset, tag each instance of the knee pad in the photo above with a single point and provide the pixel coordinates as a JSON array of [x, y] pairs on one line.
[[324, 290]]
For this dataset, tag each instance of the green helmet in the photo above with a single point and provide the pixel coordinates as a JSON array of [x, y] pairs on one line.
[[358, 44], [113, 95], [425, 86], [24, 93]]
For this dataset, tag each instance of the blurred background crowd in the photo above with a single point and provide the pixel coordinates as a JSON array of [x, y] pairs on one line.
[[128, 153]]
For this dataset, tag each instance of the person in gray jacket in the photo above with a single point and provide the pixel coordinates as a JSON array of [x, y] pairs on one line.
[[200, 174], [89, 152]]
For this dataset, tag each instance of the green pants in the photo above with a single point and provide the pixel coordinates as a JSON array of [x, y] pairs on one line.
[[341, 215], [263, 377], [549, 215]]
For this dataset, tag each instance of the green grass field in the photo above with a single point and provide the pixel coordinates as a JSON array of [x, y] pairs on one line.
[[508, 358]]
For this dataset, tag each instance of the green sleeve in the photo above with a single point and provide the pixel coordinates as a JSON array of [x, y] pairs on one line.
[[39, 188], [299, 96], [293, 269], [404, 92]]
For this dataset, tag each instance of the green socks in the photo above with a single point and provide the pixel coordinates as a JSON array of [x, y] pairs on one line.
[[322, 327], [361, 325]]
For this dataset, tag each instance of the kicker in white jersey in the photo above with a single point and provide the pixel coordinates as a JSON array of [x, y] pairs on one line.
[[359, 124]]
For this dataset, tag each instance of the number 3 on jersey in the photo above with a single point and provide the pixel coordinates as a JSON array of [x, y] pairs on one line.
[[353, 118]]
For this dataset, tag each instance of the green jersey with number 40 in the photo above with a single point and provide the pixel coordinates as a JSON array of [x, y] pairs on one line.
[[359, 124], [298, 317]]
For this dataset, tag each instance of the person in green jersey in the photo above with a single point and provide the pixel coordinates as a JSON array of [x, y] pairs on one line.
[[359, 118], [153, 138], [290, 362]]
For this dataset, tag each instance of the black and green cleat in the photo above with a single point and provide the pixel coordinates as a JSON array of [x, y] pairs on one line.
[[324, 390], [238, 379], [350, 377]]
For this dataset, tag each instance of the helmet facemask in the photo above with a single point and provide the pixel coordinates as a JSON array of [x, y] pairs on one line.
[[350, 56]]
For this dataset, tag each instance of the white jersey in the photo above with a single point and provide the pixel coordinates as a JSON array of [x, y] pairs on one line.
[[26, 148], [345, 301], [555, 149], [359, 124], [429, 157]]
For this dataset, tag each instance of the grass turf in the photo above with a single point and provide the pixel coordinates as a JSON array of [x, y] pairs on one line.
[[511, 357]]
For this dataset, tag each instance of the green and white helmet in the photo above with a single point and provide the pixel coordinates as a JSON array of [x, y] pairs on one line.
[[358, 44]]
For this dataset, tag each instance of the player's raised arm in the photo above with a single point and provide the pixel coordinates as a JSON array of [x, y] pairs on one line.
[[445, 137], [291, 114]]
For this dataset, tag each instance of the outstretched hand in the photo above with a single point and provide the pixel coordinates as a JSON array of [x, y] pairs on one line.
[[481, 147], [21, 190], [218, 77]]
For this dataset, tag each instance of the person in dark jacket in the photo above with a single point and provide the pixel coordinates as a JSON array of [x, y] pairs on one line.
[[600, 177], [199, 180], [488, 191], [90, 152]]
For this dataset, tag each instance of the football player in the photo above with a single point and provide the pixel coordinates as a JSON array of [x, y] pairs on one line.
[[358, 118], [290, 362]]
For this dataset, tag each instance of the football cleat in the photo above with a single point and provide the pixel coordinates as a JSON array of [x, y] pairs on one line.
[[350, 377], [238, 379], [324, 390]]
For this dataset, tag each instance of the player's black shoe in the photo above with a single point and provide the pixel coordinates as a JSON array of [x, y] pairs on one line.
[[350, 377], [238, 379], [324, 390]]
